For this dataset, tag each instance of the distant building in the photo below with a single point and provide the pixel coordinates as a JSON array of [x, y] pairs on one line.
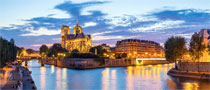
[[206, 40], [78, 40], [206, 35], [139, 48], [106, 47]]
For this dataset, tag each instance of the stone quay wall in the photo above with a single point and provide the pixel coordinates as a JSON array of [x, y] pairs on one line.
[[119, 62], [187, 66], [151, 62], [83, 63], [91, 63]]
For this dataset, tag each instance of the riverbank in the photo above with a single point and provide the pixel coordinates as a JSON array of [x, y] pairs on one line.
[[189, 74], [89, 63], [50, 77], [14, 77]]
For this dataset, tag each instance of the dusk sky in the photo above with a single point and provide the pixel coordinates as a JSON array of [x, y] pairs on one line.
[[32, 23]]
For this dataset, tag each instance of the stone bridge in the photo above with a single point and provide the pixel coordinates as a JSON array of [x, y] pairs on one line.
[[48, 60]]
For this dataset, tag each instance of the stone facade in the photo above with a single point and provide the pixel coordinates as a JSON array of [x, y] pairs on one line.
[[206, 35], [78, 63], [206, 40], [194, 67], [78, 40], [139, 48]]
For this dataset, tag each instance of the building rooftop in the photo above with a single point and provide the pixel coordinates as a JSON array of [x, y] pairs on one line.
[[137, 40]]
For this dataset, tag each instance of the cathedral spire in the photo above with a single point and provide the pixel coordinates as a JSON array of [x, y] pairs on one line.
[[77, 20]]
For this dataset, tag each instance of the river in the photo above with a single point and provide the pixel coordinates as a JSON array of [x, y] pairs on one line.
[[150, 77]]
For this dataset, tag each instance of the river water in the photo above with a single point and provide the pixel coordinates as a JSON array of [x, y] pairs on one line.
[[150, 77]]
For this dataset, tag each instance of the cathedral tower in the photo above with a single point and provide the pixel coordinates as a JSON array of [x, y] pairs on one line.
[[65, 31], [78, 40]]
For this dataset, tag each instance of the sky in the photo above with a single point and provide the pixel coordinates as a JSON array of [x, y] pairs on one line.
[[32, 23]]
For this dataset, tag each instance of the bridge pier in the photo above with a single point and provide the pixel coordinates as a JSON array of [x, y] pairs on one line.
[[26, 63], [55, 64], [42, 63]]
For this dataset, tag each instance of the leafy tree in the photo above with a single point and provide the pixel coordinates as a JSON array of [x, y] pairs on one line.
[[29, 51], [43, 49], [55, 49], [82, 55], [12, 41], [22, 51], [196, 46], [100, 50], [75, 51], [209, 48], [118, 56], [175, 48], [124, 55], [8, 51]]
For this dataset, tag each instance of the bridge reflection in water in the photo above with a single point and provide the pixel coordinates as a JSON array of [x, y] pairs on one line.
[[150, 77]]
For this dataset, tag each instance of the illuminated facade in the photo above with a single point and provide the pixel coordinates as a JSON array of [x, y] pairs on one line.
[[78, 40], [139, 48], [206, 35], [206, 40]]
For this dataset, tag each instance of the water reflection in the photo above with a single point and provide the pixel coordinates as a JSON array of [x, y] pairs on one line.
[[58, 78], [105, 79], [129, 78], [117, 78], [42, 77], [52, 69]]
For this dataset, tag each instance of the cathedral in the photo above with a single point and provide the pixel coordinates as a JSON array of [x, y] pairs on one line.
[[78, 40]]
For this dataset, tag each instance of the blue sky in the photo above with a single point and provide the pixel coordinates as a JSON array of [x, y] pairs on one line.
[[35, 22]]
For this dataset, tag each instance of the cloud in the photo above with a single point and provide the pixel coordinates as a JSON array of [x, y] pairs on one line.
[[75, 8], [188, 15], [39, 45], [186, 35], [56, 39], [41, 31], [107, 37], [103, 36], [107, 29], [102, 33], [88, 24], [126, 20], [162, 25]]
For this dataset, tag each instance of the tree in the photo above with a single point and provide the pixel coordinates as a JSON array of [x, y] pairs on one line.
[[75, 51], [100, 50], [175, 48], [196, 46], [124, 55], [55, 49], [22, 49], [29, 51], [209, 48], [43, 49], [8, 51], [12, 41]]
